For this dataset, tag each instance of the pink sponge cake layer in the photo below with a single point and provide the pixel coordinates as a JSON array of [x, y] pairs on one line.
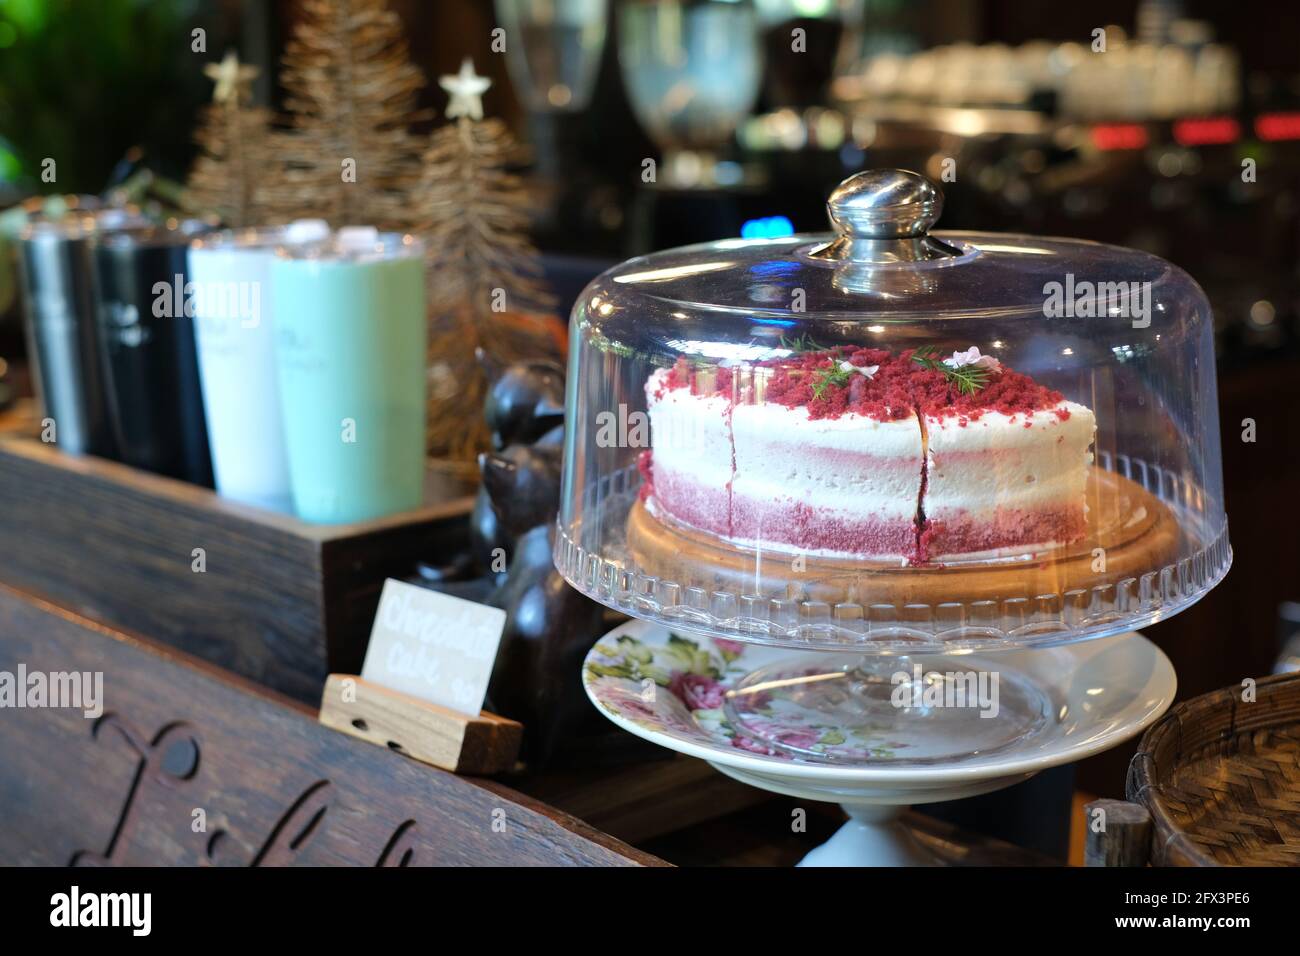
[[786, 524], [880, 460], [998, 532], [692, 502]]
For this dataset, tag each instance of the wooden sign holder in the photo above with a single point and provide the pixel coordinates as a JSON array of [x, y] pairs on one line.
[[485, 744]]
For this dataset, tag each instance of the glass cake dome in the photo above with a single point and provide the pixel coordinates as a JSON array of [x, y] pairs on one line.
[[887, 440]]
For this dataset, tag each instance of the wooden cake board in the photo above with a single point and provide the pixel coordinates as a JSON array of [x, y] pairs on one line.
[[1135, 532]]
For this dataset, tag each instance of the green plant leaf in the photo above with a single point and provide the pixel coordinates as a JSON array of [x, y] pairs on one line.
[[968, 379]]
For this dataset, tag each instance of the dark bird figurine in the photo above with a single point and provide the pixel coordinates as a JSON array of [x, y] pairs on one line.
[[549, 629], [524, 402], [489, 544], [549, 626], [523, 483]]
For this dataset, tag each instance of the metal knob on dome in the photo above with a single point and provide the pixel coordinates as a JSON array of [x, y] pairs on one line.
[[885, 204], [883, 216]]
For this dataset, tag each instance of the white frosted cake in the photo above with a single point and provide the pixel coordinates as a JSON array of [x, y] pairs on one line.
[[863, 454]]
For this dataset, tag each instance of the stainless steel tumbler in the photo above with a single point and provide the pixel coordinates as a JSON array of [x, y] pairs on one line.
[[57, 266]]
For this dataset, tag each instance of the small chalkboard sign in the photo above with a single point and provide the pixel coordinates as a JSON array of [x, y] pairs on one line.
[[433, 646], [423, 682]]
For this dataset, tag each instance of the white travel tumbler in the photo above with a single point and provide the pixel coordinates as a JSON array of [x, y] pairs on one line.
[[231, 295]]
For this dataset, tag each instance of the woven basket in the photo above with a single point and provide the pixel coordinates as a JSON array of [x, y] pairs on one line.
[[1221, 778]]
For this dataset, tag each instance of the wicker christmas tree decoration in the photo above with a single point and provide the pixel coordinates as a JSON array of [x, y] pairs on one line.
[[349, 157], [235, 148], [485, 286]]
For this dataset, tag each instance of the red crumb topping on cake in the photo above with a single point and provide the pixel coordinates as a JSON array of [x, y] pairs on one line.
[[645, 465], [702, 379], [819, 382], [1008, 391]]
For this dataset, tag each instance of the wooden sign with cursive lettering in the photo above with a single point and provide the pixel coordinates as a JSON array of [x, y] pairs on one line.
[[188, 765]]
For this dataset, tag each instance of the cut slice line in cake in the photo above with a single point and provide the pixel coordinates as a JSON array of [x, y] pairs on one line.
[[825, 487]]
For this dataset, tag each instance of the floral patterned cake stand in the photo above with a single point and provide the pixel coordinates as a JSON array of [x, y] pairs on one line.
[[686, 692]]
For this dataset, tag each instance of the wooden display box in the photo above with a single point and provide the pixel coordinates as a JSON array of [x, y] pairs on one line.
[[279, 601]]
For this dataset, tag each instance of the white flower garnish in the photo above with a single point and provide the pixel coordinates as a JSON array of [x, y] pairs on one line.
[[868, 370], [972, 357]]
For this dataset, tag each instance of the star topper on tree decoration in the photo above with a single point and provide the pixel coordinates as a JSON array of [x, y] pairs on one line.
[[229, 177], [488, 290], [229, 76], [466, 90]]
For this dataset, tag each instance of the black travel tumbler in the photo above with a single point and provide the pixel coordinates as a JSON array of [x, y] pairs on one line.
[[155, 399]]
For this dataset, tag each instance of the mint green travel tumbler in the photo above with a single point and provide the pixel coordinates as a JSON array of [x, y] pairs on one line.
[[350, 363]]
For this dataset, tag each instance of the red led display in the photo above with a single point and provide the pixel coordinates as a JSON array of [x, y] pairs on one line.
[[1206, 131], [1113, 136], [1276, 126]]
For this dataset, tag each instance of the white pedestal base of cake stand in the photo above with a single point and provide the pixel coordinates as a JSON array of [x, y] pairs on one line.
[[875, 834], [677, 690]]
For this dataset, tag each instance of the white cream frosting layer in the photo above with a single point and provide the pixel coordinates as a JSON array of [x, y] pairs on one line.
[[853, 464], [1039, 466], [690, 434]]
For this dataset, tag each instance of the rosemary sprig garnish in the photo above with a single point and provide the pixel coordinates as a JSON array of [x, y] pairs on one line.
[[804, 343], [832, 375], [968, 379]]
